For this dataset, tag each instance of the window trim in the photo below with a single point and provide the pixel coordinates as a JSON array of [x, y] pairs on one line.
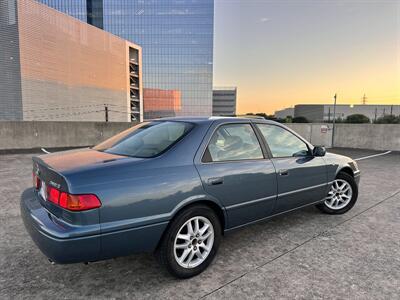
[[295, 134], [260, 143]]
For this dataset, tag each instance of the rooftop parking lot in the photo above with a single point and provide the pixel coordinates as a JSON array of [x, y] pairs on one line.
[[304, 254]]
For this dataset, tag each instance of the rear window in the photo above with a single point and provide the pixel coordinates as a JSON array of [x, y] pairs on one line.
[[146, 139]]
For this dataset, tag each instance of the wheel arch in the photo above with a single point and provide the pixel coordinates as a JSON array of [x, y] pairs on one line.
[[219, 211], [216, 207], [346, 169]]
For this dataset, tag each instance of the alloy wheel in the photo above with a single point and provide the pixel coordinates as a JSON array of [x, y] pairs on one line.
[[339, 195], [194, 242]]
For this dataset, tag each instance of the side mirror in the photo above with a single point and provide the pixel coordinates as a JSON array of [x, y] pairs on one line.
[[319, 151]]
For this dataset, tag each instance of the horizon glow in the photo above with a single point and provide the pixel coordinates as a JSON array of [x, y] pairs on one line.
[[282, 53]]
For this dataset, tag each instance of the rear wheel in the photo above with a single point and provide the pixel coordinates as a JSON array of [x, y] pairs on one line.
[[342, 195], [191, 242]]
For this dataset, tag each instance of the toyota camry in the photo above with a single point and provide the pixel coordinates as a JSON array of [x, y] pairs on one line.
[[175, 186]]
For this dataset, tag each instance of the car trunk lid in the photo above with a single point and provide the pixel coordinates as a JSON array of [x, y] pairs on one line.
[[74, 159], [51, 170]]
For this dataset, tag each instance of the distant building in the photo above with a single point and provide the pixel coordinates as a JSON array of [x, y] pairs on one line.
[[55, 67], [284, 113], [176, 36], [224, 101], [324, 112], [161, 103]]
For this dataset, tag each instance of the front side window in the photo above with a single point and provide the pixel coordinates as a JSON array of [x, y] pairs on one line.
[[145, 140], [281, 142], [233, 142]]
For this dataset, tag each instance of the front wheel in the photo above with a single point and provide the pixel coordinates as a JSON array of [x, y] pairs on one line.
[[342, 195], [191, 242]]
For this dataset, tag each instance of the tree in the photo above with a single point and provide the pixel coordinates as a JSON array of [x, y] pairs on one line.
[[264, 115], [357, 119], [300, 119], [388, 119]]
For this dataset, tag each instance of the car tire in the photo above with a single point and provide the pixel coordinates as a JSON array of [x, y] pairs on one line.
[[175, 253], [343, 202]]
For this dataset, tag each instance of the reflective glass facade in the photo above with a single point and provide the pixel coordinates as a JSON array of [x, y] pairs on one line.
[[75, 8], [176, 37]]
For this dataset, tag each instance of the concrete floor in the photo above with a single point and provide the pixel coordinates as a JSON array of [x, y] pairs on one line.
[[302, 255]]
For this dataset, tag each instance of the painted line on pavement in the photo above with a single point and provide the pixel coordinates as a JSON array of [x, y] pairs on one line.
[[45, 151], [371, 156]]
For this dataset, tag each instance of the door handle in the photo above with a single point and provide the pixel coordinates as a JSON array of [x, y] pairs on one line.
[[215, 181], [283, 172]]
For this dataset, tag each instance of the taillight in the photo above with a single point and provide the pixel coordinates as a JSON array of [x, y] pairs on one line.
[[79, 202], [36, 181], [72, 202], [53, 194]]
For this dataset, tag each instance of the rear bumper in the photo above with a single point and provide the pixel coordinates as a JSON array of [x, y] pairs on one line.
[[49, 235], [61, 243]]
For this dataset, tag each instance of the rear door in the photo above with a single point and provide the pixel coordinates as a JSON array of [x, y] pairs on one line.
[[234, 170], [302, 178]]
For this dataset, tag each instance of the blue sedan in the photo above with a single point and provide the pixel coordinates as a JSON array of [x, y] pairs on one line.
[[175, 186]]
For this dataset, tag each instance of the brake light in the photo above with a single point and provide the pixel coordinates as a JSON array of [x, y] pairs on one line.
[[35, 180], [72, 202]]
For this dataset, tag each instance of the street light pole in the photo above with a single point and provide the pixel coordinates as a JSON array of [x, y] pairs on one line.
[[334, 119]]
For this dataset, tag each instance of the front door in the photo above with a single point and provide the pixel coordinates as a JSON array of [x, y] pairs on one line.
[[301, 177], [233, 170]]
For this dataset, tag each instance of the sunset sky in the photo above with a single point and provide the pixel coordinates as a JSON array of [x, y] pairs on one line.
[[281, 53]]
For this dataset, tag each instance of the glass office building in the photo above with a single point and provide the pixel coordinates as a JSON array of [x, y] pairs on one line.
[[176, 37], [75, 8]]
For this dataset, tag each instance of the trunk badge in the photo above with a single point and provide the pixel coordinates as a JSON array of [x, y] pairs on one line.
[[56, 185]]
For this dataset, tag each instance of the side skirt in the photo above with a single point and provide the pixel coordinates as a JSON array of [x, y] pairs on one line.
[[271, 216]]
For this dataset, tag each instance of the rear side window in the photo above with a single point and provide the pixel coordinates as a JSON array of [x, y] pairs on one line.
[[233, 142], [146, 140], [282, 142]]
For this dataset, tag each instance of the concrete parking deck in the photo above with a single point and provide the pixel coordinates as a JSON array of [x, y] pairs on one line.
[[302, 255]]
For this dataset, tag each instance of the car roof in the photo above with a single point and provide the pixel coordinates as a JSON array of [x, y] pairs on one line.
[[216, 118]]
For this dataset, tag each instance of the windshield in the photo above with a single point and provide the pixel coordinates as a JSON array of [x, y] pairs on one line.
[[146, 140]]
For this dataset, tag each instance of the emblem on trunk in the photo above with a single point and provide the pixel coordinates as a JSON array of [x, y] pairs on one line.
[[56, 185]]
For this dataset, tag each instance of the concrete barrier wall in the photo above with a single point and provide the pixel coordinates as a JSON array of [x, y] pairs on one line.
[[30, 135], [316, 134], [368, 136], [361, 136]]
